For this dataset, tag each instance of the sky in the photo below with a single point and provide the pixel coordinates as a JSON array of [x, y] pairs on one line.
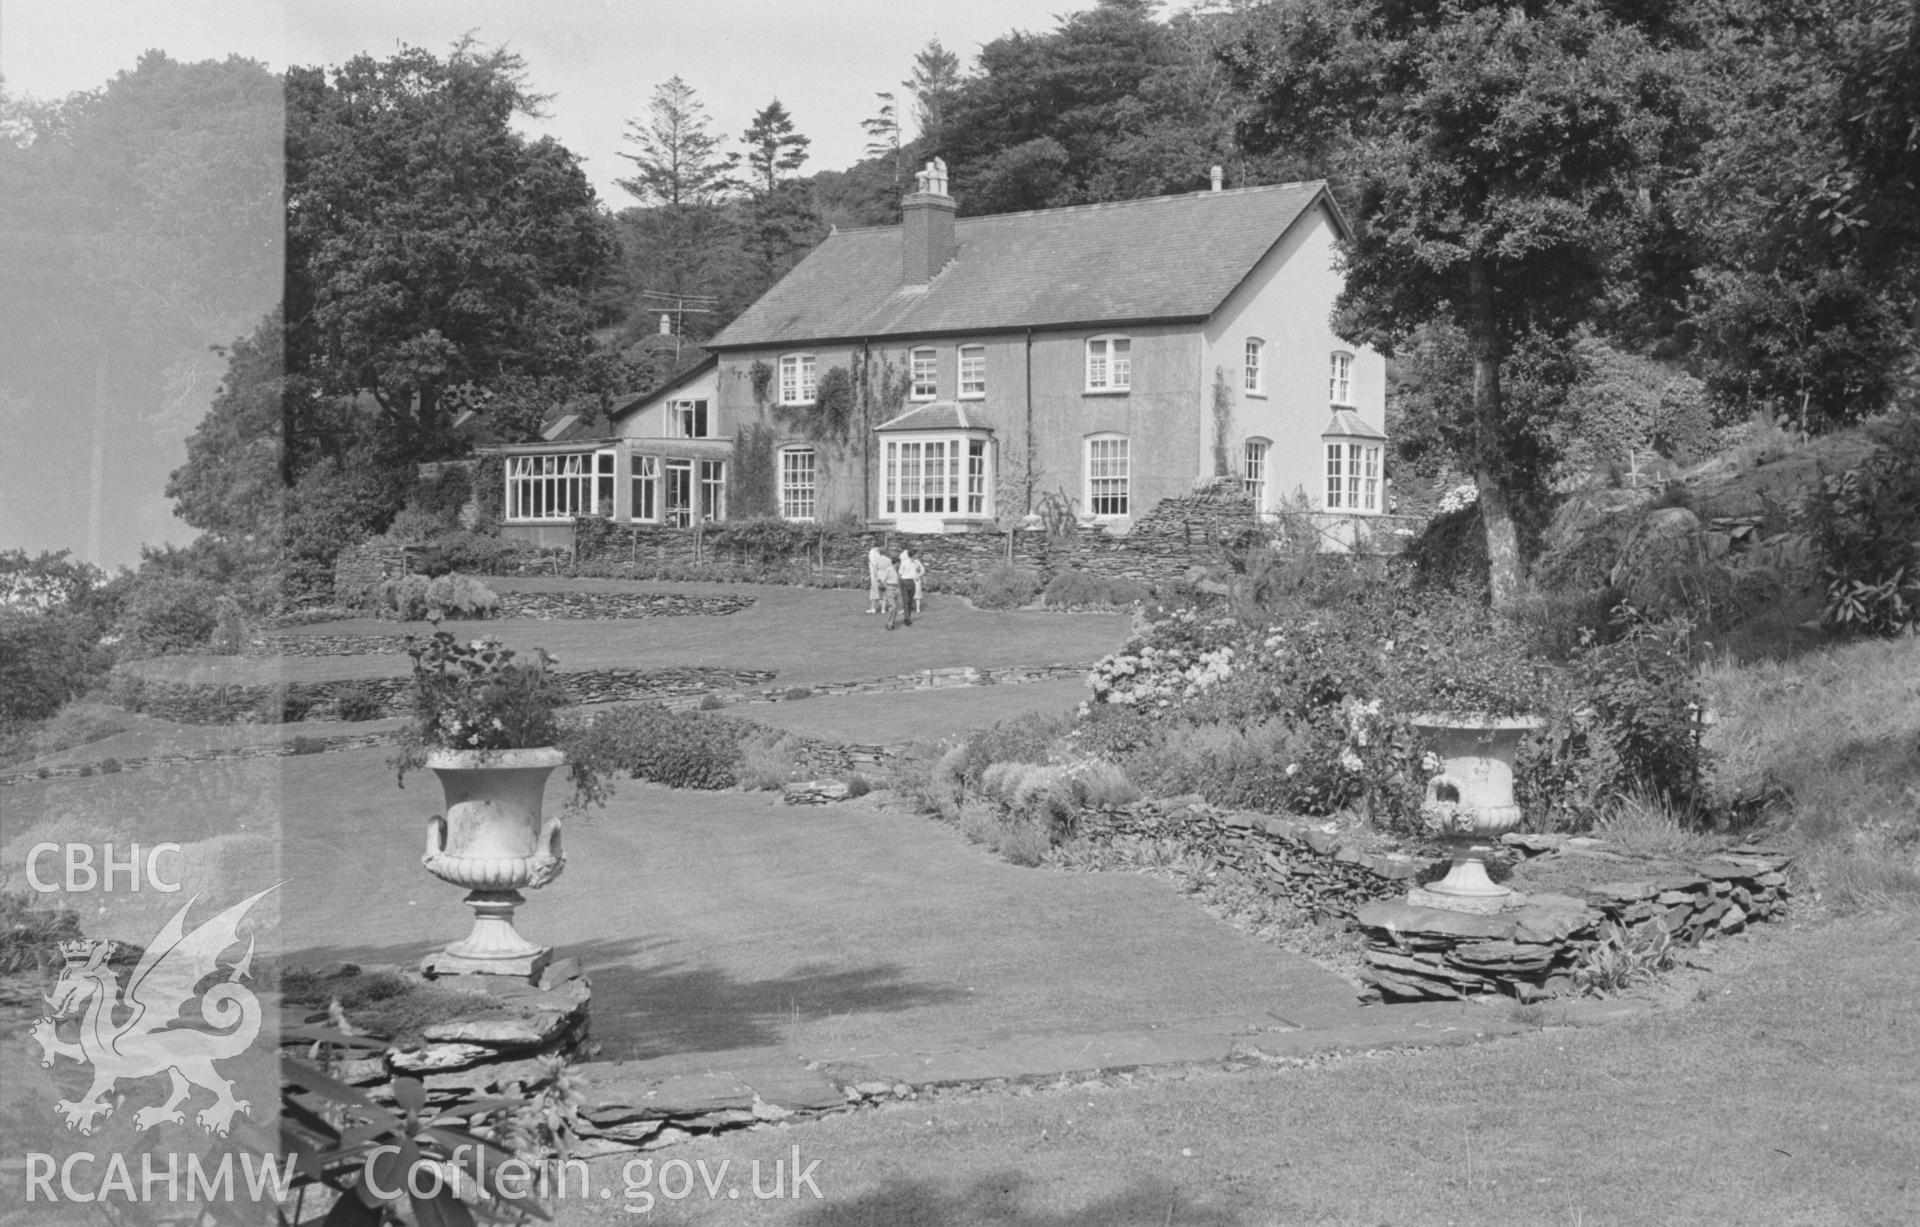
[[100, 490], [600, 59]]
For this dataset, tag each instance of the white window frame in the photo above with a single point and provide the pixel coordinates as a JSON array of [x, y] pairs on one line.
[[799, 483], [689, 418], [1353, 474], [961, 487], [1107, 479], [798, 379], [644, 497], [1340, 379], [923, 373], [681, 514], [710, 491], [1253, 380], [1110, 364], [551, 487], [1253, 470], [976, 388]]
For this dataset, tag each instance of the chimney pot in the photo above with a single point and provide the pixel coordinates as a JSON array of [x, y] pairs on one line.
[[1219, 179], [926, 225], [666, 324]]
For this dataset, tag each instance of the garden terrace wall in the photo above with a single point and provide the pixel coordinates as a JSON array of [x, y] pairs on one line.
[[1420, 953], [1179, 534], [210, 703]]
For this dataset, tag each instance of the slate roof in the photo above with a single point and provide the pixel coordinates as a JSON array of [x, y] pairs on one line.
[[1164, 259], [1346, 422], [938, 415]]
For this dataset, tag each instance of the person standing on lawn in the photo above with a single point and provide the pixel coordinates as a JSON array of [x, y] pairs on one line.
[[890, 590], [911, 569], [877, 563]]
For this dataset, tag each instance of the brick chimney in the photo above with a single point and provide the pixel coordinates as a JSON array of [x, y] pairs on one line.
[[926, 217]]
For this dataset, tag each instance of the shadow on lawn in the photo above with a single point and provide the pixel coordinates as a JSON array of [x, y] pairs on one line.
[[644, 1009], [997, 1198]]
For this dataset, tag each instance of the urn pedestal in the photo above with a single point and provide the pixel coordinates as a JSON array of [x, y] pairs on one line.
[[1470, 803], [493, 841]]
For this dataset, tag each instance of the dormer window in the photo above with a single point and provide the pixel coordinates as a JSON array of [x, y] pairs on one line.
[[1340, 380], [1109, 364], [924, 365], [1254, 378], [797, 382]]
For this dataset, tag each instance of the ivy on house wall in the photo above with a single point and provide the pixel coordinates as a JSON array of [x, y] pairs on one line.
[[1222, 422], [754, 490], [762, 376]]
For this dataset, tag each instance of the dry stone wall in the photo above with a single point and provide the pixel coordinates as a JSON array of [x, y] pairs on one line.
[[1420, 953], [1178, 535]]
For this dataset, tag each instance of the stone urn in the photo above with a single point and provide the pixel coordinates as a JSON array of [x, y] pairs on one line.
[[493, 842], [1470, 803]]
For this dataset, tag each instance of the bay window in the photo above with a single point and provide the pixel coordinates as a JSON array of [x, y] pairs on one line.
[[1353, 475]]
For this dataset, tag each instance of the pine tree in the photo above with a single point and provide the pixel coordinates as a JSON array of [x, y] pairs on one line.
[[936, 75], [680, 162], [773, 146]]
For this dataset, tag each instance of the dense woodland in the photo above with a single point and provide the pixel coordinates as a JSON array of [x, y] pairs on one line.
[[1582, 230]]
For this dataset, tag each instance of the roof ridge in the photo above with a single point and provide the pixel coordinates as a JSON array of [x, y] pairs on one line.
[[1142, 200], [1090, 206]]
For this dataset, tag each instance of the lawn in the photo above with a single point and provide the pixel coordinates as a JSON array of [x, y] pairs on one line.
[[1786, 1092]]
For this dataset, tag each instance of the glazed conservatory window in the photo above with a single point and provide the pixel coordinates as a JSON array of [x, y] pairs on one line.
[[797, 483], [925, 366], [713, 489], [797, 382], [1109, 364], [1353, 476], [1108, 475], [646, 488], [973, 372], [550, 487]]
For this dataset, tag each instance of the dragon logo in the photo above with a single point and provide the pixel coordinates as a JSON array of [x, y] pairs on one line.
[[142, 1040]]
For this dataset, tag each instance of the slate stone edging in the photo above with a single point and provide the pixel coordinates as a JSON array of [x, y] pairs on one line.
[[1420, 953]]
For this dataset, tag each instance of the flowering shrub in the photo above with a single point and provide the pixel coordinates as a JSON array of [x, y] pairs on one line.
[[476, 697], [1459, 498], [1176, 658]]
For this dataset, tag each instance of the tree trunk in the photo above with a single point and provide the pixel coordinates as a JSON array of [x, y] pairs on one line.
[[1483, 340]]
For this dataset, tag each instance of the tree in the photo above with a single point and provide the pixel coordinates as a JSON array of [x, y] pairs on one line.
[[1801, 205], [680, 164], [883, 137], [1111, 105], [936, 75], [430, 247], [1499, 151], [140, 225], [773, 147]]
